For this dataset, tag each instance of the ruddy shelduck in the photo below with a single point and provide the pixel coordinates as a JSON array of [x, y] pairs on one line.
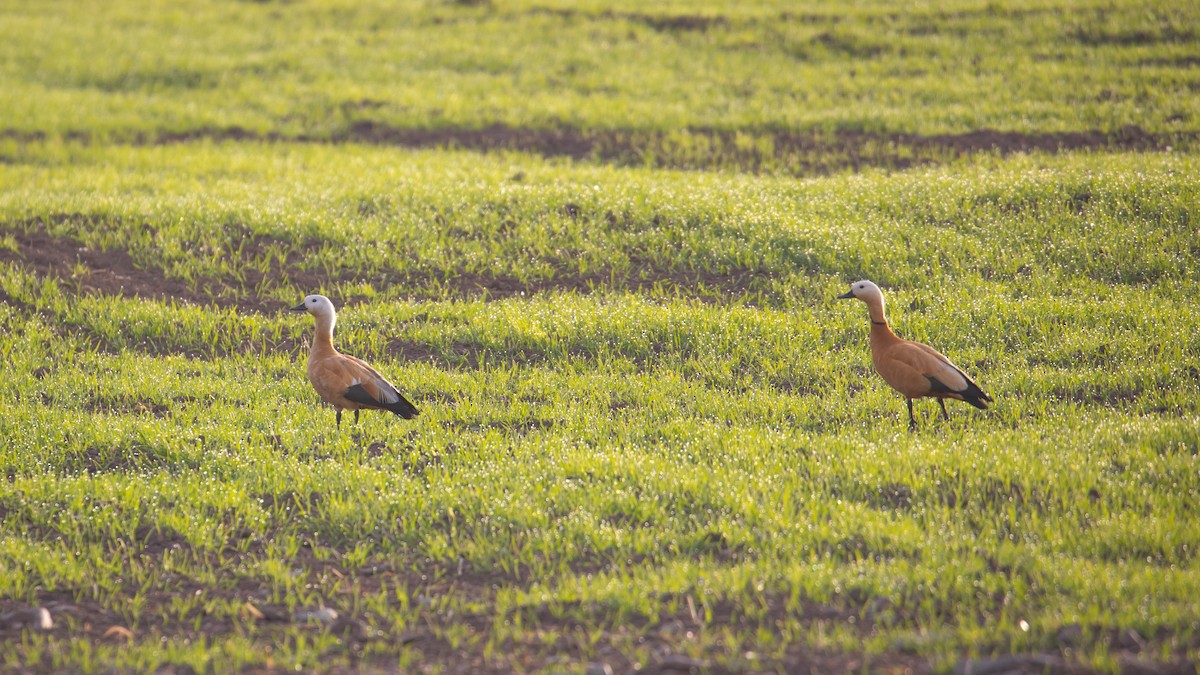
[[911, 368], [341, 380]]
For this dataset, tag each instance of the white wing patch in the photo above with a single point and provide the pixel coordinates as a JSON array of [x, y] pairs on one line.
[[386, 392], [950, 376]]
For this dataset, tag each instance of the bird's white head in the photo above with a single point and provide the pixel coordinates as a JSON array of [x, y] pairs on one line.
[[317, 305], [864, 290]]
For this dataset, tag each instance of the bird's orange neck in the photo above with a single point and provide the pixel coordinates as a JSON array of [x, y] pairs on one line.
[[323, 340], [875, 309], [881, 333]]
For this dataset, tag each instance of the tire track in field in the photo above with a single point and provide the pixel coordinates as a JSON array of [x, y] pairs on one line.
[[105, 272], [113, 272], [789, 152]]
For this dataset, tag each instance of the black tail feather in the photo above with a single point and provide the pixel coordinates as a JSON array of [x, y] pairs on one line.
[[972, 394], [977, 401], [403, 408], [976, 396]]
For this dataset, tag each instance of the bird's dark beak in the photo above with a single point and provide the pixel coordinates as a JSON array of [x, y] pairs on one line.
[[847, 295], [297, 308]]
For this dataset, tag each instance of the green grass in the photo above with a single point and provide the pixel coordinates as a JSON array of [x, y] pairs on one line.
[[327, 69], [589, 462], [648, 427], [370, 221]]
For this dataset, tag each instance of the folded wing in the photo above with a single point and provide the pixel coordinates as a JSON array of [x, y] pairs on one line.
[[945, 378], [370, 389]]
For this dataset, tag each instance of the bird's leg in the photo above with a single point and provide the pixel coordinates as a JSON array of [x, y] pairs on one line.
[[339, 418], [356, 417], [912, 421], [946, 415]]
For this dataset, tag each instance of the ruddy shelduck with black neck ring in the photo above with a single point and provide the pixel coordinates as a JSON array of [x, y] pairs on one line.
[[911, 368], [341, 380]]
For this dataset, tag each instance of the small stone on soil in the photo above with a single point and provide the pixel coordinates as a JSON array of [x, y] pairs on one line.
[[599, 669], [37, 618], [323, 615]]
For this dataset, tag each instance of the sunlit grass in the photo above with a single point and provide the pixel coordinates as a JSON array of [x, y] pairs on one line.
[[603, 459], [647, 426], [335, 69], [370, 223]]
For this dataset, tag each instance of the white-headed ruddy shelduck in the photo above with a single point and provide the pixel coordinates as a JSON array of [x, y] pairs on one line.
[[341, 380], [911, 368]]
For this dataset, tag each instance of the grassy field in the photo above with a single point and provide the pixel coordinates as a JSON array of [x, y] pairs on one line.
[[599, 246]]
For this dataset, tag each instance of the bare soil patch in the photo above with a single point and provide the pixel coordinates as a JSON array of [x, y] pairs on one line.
[[76, 615], [113, 272], [663, 23], [110, 272], [791, 152]]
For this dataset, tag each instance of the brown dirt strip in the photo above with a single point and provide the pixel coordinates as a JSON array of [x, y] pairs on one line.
[[110, 272], [616, 145], [77, 616], [790, 152], [114, 273]]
